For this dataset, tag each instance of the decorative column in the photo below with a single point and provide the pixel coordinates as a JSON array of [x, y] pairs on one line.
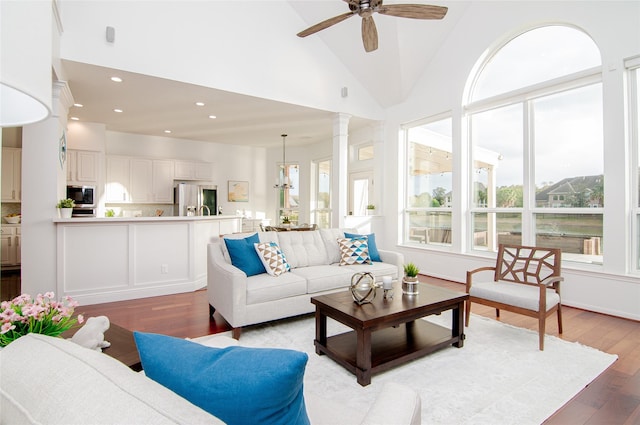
[[43, 184], [339, 168]]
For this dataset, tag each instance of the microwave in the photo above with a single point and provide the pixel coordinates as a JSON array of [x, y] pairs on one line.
[[83, 196]]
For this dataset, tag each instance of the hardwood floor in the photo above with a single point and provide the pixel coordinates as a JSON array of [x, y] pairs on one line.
[[613, 398]]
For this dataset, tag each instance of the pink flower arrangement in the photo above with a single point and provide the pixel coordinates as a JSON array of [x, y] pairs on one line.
[[44, 315]]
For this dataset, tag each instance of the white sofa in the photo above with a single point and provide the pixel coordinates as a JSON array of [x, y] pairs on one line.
[[48, 380], [314, 258]]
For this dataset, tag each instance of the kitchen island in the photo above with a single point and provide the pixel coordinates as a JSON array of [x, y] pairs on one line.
[[114, 259]]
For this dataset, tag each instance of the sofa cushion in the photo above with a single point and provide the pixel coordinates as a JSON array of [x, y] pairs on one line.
[[244, 256], [378, 269], [354, 251], [273, 259], [239, 385], [325, 278], [262, 288], [371, 242], [47, 380], [263, 236], [329, 237], [303, 249]]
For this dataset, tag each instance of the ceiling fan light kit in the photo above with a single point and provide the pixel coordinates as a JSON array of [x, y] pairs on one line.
[[366, 8]]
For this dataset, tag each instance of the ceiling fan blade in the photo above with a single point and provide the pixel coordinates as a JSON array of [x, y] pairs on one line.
[[325, 24], [415, 11], [369, 34]]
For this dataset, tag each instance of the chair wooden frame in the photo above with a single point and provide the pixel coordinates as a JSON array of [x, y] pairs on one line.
[[524, 265]]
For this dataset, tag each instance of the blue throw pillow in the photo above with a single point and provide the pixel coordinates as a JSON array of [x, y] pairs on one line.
[[371, 241], [244, 256], [238, 385]]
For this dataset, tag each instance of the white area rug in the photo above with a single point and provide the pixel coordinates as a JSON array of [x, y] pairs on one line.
[[498, 377]]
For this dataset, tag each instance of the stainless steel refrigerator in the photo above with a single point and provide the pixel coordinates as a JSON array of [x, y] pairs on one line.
[[195, 199]]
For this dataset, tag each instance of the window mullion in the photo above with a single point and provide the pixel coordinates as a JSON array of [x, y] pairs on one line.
[[528, 200]]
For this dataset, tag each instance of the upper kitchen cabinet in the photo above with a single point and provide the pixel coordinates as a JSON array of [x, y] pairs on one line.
[[11, 174], [193, 170], [82, 167], [118, 179], [139, 180]]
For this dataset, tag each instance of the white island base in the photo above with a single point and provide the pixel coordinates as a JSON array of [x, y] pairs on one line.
[[113, 259]]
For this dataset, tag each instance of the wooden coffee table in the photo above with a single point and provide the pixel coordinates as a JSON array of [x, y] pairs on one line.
[[387, 333], [123, 346]]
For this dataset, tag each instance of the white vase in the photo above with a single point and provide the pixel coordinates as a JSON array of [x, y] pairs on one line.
[[65, 212]]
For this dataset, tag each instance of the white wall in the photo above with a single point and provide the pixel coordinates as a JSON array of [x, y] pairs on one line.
[[248, 45], [615, 28]]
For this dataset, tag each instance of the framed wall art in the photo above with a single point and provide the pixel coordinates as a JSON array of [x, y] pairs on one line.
[[238, 191]]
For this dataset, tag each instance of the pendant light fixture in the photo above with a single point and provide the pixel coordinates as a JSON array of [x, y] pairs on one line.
[[284, 179]]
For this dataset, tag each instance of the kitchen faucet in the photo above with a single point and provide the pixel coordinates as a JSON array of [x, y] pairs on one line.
[[202, 211]]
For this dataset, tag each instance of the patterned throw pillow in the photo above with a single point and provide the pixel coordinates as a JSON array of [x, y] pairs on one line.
[[354, 251], [272, 258]]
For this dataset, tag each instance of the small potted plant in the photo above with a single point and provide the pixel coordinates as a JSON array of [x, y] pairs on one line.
[[371, 209], [65, 206], [410, 279]]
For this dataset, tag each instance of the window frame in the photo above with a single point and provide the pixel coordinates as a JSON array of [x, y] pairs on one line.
[[632, 71], [525, 96], [407, 210]]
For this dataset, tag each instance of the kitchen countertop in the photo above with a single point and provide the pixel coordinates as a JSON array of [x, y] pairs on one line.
[[85, 220]]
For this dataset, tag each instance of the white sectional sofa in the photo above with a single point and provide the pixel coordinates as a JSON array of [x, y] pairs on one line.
[[47, 380], [314, 257]]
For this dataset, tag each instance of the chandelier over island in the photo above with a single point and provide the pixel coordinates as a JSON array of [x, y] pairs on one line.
[[284, 182]]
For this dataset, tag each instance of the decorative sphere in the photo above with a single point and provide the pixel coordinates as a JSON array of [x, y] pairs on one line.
[[363, 287]]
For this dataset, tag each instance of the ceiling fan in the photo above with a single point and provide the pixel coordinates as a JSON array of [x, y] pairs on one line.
[[365, 8]]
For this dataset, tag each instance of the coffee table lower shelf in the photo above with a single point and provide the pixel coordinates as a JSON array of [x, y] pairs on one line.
[[390, 346]]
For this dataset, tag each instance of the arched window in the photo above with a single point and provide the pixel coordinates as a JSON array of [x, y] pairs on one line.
[[536, 138]]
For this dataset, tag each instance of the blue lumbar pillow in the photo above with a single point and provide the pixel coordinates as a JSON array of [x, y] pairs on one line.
[[238, 385], [374, 255], [244, 256]]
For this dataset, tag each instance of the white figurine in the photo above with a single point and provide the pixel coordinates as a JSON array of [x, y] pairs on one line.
[[91, 335]]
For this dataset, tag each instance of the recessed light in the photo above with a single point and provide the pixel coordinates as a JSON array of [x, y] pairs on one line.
[[199, 103], [75, 119], [116, 79], [117, 110], [78, 105], [168, 131], [213, 117]]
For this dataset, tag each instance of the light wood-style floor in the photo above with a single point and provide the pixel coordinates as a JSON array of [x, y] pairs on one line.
[[613, 398]]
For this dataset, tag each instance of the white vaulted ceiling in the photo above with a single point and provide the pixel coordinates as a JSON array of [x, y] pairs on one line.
[[152, 104]]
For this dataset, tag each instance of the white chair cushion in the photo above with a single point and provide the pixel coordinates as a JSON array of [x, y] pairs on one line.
[[515, 294]]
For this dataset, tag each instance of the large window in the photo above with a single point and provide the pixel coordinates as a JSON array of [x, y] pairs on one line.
[[429, 183], [322, 211], [288, 198], [633, 67], [536, 133]]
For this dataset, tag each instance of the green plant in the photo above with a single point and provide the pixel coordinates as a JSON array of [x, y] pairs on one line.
[[411, 270], [66, 203], [371, 207], [109, 213]]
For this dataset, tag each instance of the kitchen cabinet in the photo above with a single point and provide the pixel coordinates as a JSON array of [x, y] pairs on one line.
[[118, 179], [139, 180], [163, 181], [141, 184], [10, 245], [193, 170], [82, 167], [253, 224], [11, 174]]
